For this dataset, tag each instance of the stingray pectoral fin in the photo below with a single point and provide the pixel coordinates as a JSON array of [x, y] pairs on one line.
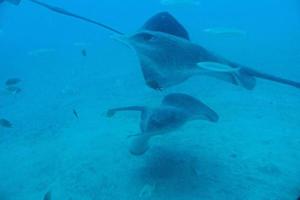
[[166, 23], [216, 67], [212, 115], [140, 144]]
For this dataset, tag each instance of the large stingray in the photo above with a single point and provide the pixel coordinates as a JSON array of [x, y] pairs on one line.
[[175, 110], [168, 57]]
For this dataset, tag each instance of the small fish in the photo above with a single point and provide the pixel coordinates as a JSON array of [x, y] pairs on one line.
[[48, 196], [80, 44], [110, 113], [75, 114], [225, 31], [14, 89], [12, 81], [5, 123], [83, 52], [39, 52]]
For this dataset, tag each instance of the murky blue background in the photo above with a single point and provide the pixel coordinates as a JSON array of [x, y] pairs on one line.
[[253, 152]]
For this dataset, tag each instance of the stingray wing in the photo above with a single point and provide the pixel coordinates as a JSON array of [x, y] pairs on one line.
[[191, 105], [166, 23]]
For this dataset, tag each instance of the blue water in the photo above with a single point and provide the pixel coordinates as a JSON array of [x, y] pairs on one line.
[[253, 152]]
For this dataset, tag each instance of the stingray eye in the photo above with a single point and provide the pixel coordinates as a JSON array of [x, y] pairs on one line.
[[146, 37]]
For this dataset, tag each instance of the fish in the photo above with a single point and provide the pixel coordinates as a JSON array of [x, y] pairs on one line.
[[48, 196], [12, 81], [75, 113], [225, 31], [83, 52], [5, 123], [80, 44], [39, 52]]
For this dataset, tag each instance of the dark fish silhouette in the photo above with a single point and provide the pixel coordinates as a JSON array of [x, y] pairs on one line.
[[168, 57], [48, 196], [12, 81], [5, 123], [83, 52], [75, 113], [175, 110]]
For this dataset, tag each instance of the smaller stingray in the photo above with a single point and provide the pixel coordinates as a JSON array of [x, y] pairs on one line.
[[175, 110]]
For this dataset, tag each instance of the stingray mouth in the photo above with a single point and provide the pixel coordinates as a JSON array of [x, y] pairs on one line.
[[154, 85]]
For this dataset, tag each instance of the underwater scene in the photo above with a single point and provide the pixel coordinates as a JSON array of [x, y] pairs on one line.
[[149, 100]]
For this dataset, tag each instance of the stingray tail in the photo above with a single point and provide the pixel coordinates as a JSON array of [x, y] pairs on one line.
[[248, 72], [246, 77], [240, 75]]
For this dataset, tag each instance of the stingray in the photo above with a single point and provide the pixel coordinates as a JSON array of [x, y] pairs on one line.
[[174, 111], [168, 57]]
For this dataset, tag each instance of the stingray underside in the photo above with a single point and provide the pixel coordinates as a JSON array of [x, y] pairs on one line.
[[157, 77]]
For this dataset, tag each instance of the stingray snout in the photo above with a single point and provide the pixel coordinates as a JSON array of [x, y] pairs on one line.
[[122, 39]]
